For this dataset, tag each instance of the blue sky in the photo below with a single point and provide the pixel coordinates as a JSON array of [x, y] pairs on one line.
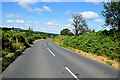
[[50, 17]]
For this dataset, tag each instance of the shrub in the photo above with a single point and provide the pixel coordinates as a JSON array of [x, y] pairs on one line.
[[16, 46], [4, 53], [6, 43], [30, 40], [5, 63], [18, 38], [101, 43], [15, 42], [10, 56], [18, 52]]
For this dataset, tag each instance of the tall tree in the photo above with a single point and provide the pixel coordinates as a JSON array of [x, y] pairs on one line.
[[112, 14], [80, 24]]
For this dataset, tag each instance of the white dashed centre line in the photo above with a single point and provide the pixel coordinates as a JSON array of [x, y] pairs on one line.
[[51, 52], [45, 44], [71, 73]]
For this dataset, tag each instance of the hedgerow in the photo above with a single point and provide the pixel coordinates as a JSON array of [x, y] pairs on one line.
[[15, 42], [102, 43]]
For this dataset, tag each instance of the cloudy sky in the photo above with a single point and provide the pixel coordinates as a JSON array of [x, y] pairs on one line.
[[50, 17]]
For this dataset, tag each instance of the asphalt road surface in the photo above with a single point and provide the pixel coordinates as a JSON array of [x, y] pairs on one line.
[[44, 59]]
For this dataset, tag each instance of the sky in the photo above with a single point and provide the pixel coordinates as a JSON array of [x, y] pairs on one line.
[[50, 17]]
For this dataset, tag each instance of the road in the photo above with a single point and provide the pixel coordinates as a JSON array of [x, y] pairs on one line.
[[44, 59]]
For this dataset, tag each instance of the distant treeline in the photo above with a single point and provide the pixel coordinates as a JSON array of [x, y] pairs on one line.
[[19, 29]]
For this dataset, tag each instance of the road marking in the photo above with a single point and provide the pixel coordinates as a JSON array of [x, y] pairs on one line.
[[51, 52], [45, 44], [71, 73]]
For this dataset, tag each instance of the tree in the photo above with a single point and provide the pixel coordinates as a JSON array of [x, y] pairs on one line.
[[70, 34], [112, 14], [65, 31], [80, 24], [29, 32], [12, 28]]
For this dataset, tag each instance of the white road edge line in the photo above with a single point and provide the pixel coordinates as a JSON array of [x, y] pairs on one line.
[[51, 52], [71, 73]]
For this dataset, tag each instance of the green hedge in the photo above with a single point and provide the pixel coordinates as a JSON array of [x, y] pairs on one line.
[[15, 42], [98, 43]]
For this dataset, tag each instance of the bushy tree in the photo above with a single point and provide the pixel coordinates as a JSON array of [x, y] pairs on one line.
[[29, 32], [80, 24], [112, 14], [70, 34], [66, 31]]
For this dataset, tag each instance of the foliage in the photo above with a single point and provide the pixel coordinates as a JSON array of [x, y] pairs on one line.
[[29, 32], [66, 31], [70, 34], [15, 42], [103, 43], [112, 14], [59, 39], [16, 46], [6, 41]]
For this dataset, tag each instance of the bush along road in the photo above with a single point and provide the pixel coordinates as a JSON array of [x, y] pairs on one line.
[[46, 60], [15, 42]]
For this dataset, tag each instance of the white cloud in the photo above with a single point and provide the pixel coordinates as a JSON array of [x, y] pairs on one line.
[[25, 4], [96, 0], [19, 21], [98, 20], [47, 8], [52, 23], [68, 25], [71, 20], [12, 16], [29, 22], [38, 9], [35, 22], [89, 15], [15, 21], [10, 21]]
